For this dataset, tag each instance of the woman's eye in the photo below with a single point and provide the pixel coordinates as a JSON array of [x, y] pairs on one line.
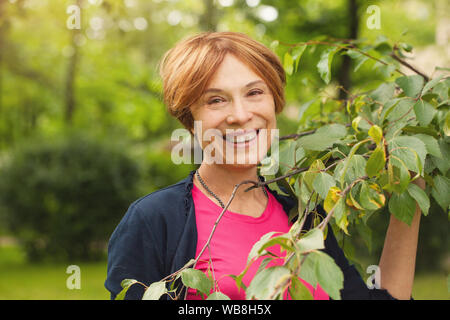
[[255, 92], [214, 100]]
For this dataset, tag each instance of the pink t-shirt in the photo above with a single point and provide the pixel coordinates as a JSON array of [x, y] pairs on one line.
[[232, 241]]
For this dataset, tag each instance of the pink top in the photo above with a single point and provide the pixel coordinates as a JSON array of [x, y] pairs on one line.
[[233, 239]]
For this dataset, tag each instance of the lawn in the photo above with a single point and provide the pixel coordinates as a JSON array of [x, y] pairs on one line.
[[19, 280]]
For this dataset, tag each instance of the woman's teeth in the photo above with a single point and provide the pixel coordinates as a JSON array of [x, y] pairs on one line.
[[241, 137]]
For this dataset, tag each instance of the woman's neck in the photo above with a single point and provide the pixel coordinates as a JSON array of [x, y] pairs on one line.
[[222, 179]]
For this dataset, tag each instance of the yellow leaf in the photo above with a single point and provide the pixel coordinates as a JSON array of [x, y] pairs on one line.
[[331, 199], [376, 133]]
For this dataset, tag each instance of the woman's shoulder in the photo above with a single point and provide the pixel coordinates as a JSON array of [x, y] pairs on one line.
[[167, 203], [163, 197]]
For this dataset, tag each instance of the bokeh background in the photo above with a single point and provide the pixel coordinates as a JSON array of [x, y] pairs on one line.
[[84, 132]]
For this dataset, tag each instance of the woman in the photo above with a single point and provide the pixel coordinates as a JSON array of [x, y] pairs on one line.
[[232, 86]]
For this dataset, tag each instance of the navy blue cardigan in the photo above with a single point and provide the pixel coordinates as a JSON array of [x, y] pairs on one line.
[[158, 236]]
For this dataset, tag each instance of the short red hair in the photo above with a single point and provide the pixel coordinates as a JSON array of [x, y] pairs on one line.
[[188, 67]]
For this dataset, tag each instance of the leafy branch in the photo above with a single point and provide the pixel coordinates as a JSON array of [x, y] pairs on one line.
[[398, 133]]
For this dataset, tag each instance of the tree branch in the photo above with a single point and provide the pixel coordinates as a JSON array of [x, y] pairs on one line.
[[343, 193], [406, 64], [295, 136], [233, 194]]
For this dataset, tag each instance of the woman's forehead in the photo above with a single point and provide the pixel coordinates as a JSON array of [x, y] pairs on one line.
[[233, 73]]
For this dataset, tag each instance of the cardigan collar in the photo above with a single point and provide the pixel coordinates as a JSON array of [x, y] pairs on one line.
[[287, 202]]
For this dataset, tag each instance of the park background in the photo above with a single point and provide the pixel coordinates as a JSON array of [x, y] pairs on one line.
[[84, 132]]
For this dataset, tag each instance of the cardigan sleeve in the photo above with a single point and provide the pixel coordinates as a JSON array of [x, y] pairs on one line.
[[354, 286], [133, 254]]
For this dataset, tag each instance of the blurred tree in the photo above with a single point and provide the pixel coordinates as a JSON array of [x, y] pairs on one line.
[[344, 75], [72, 68], [63, 197], [208, 20]]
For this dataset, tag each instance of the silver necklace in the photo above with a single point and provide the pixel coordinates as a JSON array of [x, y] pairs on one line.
[[213, 194]]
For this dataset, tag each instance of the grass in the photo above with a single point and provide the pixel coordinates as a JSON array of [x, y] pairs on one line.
[[431, 287], [22, 281]]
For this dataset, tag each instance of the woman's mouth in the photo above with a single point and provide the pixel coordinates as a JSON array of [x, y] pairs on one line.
[[241, 138]]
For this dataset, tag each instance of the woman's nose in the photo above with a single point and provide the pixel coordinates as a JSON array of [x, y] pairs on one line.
[[239, 114]]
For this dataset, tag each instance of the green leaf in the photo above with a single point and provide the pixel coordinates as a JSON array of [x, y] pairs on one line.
[[383, 93], [254, 252], [311, 241], [328, 274], [402, 206], [441, 191], [388, 106], [409, 149], [376, 162], [441, 90], [196, 279], [365, 233], [297, 54], [288, 63], [303, 108], [263, 284], [322, 184], [356, 168], [340, 213], [420, 196], [324, 64], [360, 62], [431, 145], [155, 291], [398, 175], [424, 112], [299, 155], [349, 166], [125, 284], [359, 57], [298, 291], [309, 176], [406, 46], [218, 296], [424, 130], [287, 156], [401, 111], [430, 84], [411, 85], [446, 127], [308, 269], [323, 138], [283, 240], [442, 163], [371, 196]]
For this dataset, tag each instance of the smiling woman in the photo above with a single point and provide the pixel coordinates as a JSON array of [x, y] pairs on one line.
[[234, 87], [187, 69], [238, 105]]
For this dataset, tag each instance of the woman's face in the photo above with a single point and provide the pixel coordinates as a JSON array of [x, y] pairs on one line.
[[237, 114]]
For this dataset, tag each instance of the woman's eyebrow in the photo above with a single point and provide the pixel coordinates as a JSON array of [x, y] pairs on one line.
[[246, 86]]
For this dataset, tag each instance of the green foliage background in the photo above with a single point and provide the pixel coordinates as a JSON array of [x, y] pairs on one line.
[[103, 79]]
